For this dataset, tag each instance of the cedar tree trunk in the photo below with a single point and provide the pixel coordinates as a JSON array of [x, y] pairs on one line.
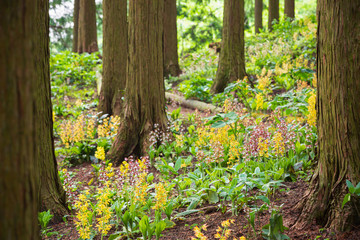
[[171, 58], [258, 15], [87, 36], [52, 194], [338, 57], [232, 55], [76, 25], [114, 56], [144, 103], [289, 9], [19, 175], [273, 12]]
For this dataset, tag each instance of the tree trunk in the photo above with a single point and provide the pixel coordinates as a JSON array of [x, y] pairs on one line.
[[114, 56], [273, 12], [19, 177], [258, 15], [87, 38], [144, 103], [171, 58], [232, 55], [338, 73], [289, 9], [52, 194], [76, 25]]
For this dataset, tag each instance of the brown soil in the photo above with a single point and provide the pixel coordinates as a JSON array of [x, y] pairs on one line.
[[287, 197]]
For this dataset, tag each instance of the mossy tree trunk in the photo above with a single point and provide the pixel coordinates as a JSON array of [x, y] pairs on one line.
[[273, 12], [115, 53], [144, 103], [171, 58], [338, 72], [232, 55], [19, 175], [52, 194], [289, 9], [258, 15], [76, 25], [87, 36]]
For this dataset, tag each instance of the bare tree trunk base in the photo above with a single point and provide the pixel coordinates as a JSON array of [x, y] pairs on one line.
[[318, 206]]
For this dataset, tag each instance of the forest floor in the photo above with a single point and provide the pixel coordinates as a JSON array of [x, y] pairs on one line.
[[212, 215]]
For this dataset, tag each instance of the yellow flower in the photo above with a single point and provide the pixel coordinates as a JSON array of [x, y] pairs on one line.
[[198, 234], [90, 127], [242, 238], [78, 129], [263, 147], [160, 196], [314, 81], [259, 101], [83, 220], [141, 193], [103, 211], [279, 145], [109, 126], [264, 83], [311, 116], [100, 153], [225, 223], [301, 85]]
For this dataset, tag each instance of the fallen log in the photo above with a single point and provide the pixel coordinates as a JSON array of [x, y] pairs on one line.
[[193, 104]]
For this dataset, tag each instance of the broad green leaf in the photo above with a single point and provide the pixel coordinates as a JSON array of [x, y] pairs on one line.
[[346, 199]]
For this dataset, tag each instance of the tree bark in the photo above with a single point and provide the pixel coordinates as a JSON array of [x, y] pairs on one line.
[[273, 12], [87, 38], [144, 103], [232, 55], [76, 25], [52, 194], [171, 58], [258, 15], [115, 53], [289, 9], [19, 177], [338, 73]]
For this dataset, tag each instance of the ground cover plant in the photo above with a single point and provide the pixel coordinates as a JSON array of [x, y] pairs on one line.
[[234, 173], [234, 163], [191, 119]]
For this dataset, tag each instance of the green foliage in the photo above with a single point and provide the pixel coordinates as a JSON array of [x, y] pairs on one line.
[[234, 160], [200, 70], [68, 67], [355, 191], [199, 23], [274, 230], [44, 219]]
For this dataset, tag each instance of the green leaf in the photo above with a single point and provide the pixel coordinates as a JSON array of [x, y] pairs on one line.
[[346, 199], [213, 197], [160, 226], [143, 226], [187, 212], [115, 236], [350, 186], [218, 124], [178, 164], [193, 204], [264, 199]]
